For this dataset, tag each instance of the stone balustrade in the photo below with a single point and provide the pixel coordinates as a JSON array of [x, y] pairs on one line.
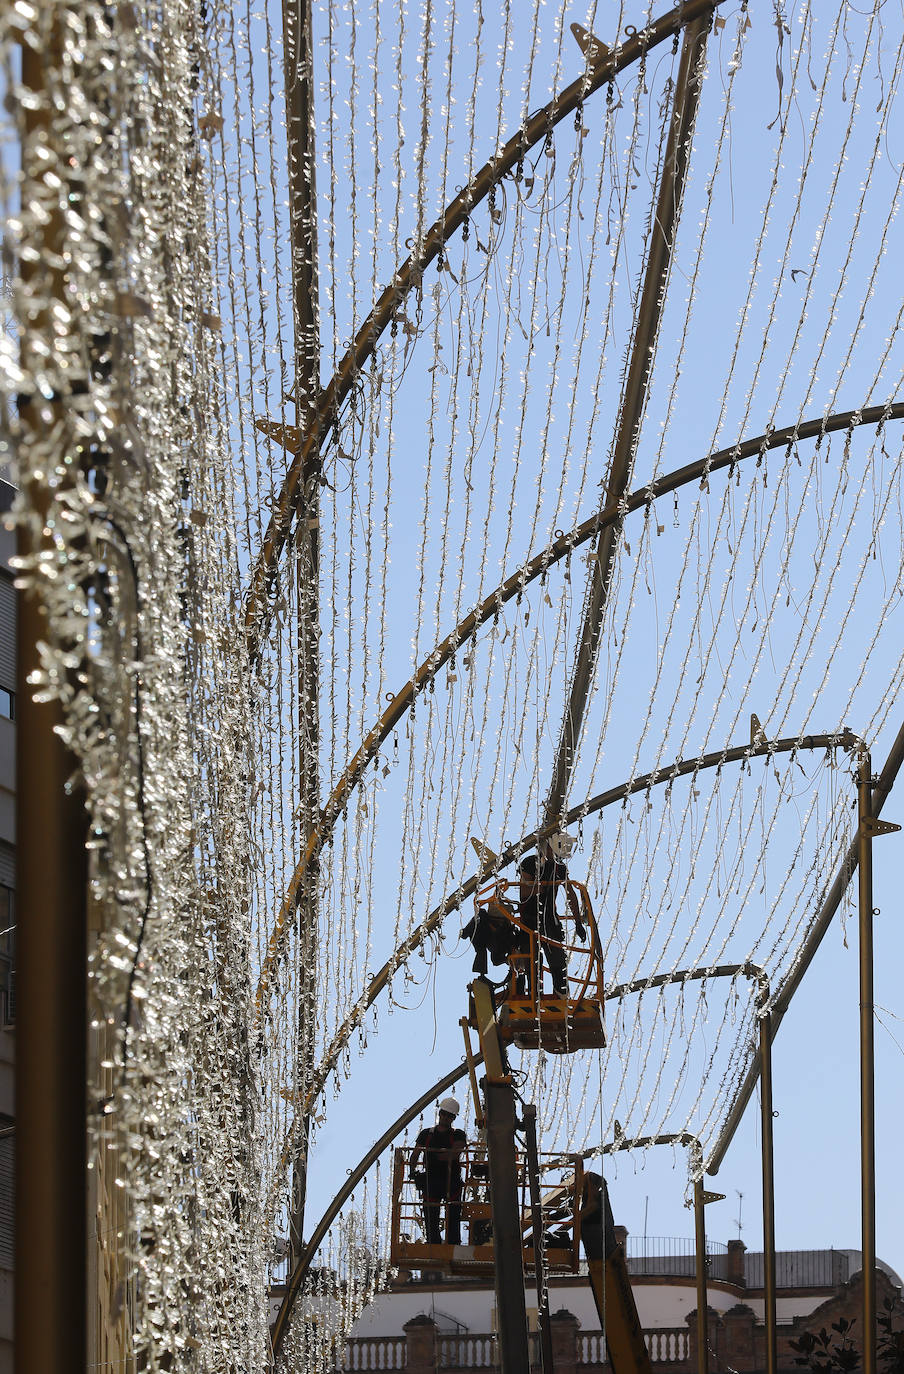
[[425, 1348]]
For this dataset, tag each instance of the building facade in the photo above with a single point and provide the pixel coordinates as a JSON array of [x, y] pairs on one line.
[[419, 1327]]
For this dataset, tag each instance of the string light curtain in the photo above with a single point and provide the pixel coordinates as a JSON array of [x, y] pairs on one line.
[[139, 571]]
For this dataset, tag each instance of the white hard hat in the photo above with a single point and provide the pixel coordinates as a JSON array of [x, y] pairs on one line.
[[449, 1105]]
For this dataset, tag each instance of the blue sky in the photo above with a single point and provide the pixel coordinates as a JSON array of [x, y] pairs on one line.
[[483, 426]]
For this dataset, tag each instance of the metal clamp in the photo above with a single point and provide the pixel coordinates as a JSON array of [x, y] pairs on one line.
[[871, 826]]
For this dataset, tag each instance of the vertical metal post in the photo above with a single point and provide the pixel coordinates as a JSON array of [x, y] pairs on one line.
[[529, 1119], [51, 1054], [867, 1064], [768, 1162], [702, 1301], [511, 1308], [51, 1060], [297, 40]]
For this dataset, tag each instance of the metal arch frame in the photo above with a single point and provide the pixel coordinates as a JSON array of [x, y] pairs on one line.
[[410, 275], [666, 774], [305, 450], [761, 1070], [660, 980], [513, 586], [843, 877]]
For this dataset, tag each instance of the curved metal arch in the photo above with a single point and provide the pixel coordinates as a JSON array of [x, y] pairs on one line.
[[682, 768], [660, 980], [843, 877], [512, 587], [304, 449], [842, 738], [643, 1142]]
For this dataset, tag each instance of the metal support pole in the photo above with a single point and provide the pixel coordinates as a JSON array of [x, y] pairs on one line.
[[51, 1048], [702, 1301], [511, 1308], [471, 1062], [867, 1065], [769, 1309], [297, 42], [51, 1057], [529, 1119], [298, 75], [649, 313]]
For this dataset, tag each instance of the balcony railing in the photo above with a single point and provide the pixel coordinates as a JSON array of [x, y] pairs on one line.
[[367, 1353], [802, 1268], [468, 1352], [375, 1352], [674, 1256]]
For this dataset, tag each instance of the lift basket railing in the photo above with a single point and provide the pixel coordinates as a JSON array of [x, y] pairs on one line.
[[529, 979]]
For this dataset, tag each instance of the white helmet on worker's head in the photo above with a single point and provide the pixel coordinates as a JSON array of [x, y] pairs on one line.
[[560, 845], [449, 1105]]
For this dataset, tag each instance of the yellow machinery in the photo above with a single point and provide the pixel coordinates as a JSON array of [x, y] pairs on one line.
[[530, 1015], [608, 1273]]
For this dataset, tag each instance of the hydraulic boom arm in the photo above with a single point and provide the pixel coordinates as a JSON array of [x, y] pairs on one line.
[[614, 1299]]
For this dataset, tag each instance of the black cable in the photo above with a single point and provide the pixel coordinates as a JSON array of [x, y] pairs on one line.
[[108, 519]]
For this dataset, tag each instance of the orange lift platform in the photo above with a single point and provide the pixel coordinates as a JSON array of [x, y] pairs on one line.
[[529, 1014], [560, 1203]]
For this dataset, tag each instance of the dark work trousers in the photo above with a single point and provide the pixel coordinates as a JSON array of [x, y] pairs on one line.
[[441, 1189], [541, 916], [538, 912], [555, 956]]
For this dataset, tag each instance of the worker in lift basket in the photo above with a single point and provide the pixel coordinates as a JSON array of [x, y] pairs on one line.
[[441, 1147], [540, 879]]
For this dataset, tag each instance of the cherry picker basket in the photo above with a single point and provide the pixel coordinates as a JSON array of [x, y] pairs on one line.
[[560, 1204], [530, 1014]]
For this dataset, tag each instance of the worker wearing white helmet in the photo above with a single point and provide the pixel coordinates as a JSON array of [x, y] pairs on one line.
[[441, 1147], [540, 876]]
